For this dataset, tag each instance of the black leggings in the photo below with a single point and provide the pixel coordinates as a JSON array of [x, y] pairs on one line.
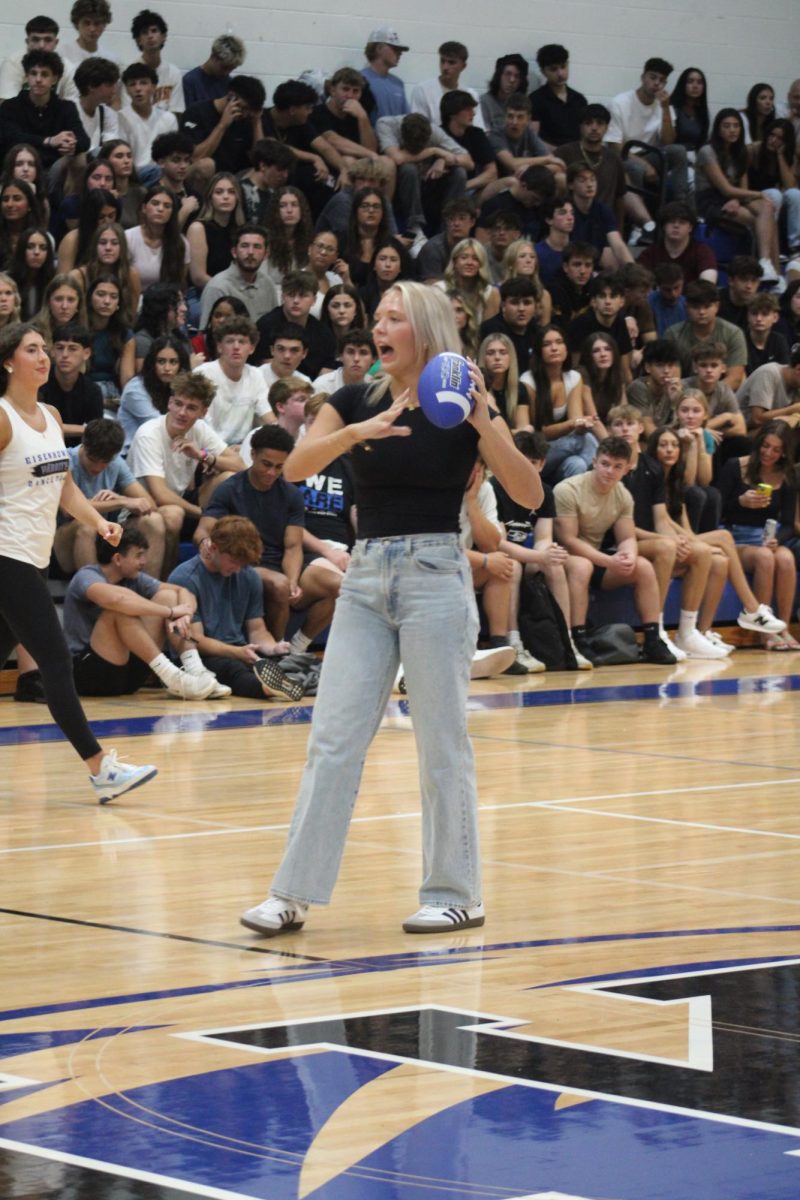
[[28, 616]]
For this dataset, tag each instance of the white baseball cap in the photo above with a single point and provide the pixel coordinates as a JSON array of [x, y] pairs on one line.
[[384, 33]]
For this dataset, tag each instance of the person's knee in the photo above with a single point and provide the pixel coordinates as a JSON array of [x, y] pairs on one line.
[[153, 524], [173, 517], [276, 588]]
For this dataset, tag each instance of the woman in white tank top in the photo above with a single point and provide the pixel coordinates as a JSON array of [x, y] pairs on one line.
[[34, 481]]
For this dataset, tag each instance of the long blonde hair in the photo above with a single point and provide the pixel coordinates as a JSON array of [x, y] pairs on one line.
[[511, 385], [509, 265], [430, 315], [14, 315], [473, 298]]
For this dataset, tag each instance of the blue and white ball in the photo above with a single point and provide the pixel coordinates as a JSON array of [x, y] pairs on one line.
[[444, 388]]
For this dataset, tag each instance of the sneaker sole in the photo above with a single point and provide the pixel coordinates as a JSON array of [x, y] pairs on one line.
[[271, 677], [473, 923], [131, 787], [268, 931], [492, 663]]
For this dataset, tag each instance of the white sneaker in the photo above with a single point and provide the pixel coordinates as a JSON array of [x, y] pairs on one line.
[[694, 645], [532, 665], [116, 777], [275, 916], [768, 272], [188, 687], [399, 684], [763, 620], [486, 663], [434, 918], [716, 640], [673, 645], [218, 689], [419, 241]]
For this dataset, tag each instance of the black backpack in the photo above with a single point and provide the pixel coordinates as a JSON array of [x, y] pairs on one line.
[[542, 626]]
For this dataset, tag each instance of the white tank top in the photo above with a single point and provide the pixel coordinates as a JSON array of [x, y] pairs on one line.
[[33, 469]]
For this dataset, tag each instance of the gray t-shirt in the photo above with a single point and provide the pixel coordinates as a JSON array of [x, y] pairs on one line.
[[707, 156], [81, 615], [722, 399], [765, 389]]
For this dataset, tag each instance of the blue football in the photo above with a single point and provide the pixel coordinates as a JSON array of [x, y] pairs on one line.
[[444, 388]]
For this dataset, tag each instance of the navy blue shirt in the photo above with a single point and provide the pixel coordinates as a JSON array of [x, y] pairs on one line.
[[270, 511]]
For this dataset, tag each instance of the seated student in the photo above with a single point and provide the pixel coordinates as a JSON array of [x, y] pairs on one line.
[[244, 278], [516, 319], [637, 283], [656, 393], [211, 237], [510, 77], [458, 220], [315, 158], [773, 171], [589, 507], [746, 509], [228, 629], [106, 481], [290, 579], [299, 294], [789, 323], [336, 215], [270, 164], [559, 219], [516, 146], [113, 358], [390, 263], [509, 395], [240, 391], [704, 325], [667, 301], [570, 287], [503, 229], [594, 221], [172, 154], [764, 343], [426, 97], [520, 261], [166, 453], [524, 197], [75, 397], [703, 502], [644, 115], [329, 503], [147, 394], [97, 81], [676, 244], [90, 18], [210, 80], [225, 130], [772, 392], [606, 304], [589, 148], [141, 121], [603, 384], [387, 92], [457, 117], [41, 33], [39, 118], [744, 279], [672, 553], [556, 108], [117, 618], [357, 354], [343, 121], [287, 400], [557, 407], [666, 447], [288, 349], [725, 420], [529, 541], [431, 169], [149, 32], [495, 574]]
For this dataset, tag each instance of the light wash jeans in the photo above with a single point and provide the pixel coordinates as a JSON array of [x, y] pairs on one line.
[[791, 198], [571, 454], [406, 599]]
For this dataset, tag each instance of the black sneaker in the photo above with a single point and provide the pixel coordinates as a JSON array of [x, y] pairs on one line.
[[276, 682], [656, 651], [516, 668], [30, 688]]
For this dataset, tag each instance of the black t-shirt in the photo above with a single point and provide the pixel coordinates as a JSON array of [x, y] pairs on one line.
[[581, 327], [477, 146], [299, 137], [233, 152], [84, 403], [776, 349], [328, 497], [522, 342], [321, 342], [569, 301], [559, 120], [728, 311], [324, 120], [646, 484], [518, 520], [501, 400], [407, 485]]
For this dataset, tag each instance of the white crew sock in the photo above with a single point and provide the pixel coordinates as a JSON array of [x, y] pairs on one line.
[[163, 668], [300, 642], [192, 662], [688, 623], [515, 639]]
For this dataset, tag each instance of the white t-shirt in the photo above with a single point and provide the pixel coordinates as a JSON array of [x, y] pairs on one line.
[[151, 453], [270, 377], [72, 52], [141, 134], [487, 503], [12, 78], [237, 403], [101, 127], [330, 382], [147, 260], [169, 94], [632, 120], [426, 97]]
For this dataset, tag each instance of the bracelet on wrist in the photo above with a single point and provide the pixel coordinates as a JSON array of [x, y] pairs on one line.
[[486, 562]]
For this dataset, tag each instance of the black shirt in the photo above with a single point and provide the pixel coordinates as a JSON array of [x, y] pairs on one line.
[[324, 120], [299, 137], [646, 484], [477, 146], [84, 403], [776, 349], [328, 500], [518, 520], [559, 120], [522, 342], [569, 300], [321, 342], [581, 327], [23, 121], [233, 152], [407, 485], [728, 311]]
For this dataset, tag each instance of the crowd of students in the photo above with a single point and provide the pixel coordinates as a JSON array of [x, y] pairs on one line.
[[206, 268]]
